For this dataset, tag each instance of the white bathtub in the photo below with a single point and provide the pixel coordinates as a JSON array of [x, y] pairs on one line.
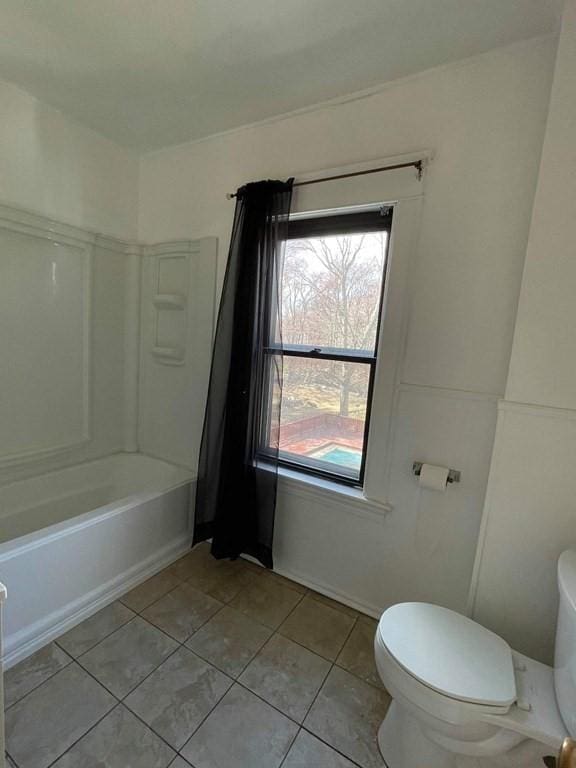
[[72, 541]]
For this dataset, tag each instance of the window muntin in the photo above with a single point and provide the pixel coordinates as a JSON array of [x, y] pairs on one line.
[[332, 286]]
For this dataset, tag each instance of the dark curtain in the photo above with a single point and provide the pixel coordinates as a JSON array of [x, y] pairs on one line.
[[236, 490]]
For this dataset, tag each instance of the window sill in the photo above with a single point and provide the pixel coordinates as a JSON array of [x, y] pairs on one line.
[[329, 492]]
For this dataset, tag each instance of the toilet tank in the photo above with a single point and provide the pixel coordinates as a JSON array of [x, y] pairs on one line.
[[565, 652]]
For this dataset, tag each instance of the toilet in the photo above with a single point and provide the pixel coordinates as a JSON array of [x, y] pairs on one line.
[[462, 698]]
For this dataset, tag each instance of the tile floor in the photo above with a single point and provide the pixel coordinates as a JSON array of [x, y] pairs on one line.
[[208, 664]]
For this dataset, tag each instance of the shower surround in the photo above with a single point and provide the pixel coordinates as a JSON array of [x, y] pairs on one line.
[[102, 336]]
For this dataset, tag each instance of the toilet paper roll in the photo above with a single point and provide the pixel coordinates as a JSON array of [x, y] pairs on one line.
[[433, 478]]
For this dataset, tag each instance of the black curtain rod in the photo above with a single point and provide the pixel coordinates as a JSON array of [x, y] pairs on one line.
[[418, 164]]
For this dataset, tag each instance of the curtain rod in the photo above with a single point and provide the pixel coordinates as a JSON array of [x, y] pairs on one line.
[[418, 164]]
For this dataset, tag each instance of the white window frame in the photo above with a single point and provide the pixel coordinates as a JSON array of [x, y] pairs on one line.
[[405, 192]]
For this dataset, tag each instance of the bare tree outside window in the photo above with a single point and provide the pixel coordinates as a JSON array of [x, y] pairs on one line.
[[331, 297]]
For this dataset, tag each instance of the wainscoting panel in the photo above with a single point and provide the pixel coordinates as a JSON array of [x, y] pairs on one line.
[[421, 546], [529, 519]]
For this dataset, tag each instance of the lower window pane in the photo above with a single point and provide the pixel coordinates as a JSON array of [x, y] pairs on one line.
[[324, 414]]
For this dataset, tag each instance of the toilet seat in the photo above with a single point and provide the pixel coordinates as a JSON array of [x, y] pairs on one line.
[[451, 654], [532, 713], [418, 696], [461, 698]]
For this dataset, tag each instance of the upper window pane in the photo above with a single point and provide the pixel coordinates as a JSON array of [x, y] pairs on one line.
[[331, 290]]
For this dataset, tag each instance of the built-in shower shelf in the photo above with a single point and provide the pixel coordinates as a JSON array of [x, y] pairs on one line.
[[169, 301], [169, 355]]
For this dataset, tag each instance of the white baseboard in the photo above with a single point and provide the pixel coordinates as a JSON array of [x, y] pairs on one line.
[[22, 644], [317, 586], [334, 594]]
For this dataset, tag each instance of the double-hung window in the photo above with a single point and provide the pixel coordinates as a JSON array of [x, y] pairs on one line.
[[331, 302]]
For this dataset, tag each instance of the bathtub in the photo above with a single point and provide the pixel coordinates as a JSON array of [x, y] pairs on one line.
[[72, 541]]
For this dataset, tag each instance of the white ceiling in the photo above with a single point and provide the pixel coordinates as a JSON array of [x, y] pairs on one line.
[[149, 73]]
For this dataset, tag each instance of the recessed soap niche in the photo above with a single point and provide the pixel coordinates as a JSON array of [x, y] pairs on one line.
[[170, 305], [177, 302]]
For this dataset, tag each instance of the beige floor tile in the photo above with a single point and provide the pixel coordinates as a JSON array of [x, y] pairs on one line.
[[309, 752], [94, 629], [266, 602], [347, 715], [118, 741], [30, 673], [357, 656], [333, 604], [277, 579], [151, 590], [242, 732], [177, 697], [182, 611], [199, 553], [228, 587], [287, 676], [203, 571], [125, 658], [257, 568], [230, 640], [322, 629], [44, 724]]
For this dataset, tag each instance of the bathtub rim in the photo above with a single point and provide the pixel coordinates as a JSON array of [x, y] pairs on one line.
[[24, 643], [48, 627], [42, 536]]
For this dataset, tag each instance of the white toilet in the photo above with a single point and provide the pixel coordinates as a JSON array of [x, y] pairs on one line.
[[462, 698]]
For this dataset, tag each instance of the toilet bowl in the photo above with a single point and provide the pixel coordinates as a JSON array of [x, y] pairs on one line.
[[462, 698]]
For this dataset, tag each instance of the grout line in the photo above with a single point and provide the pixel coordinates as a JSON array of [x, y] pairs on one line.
[[154, 601], [335, 749], [332, 663], [11, 758], [212, 663], [301, 726], [290, 747], [100, 640], [236, 681], [84, 653], [120, 701], [150, 728], [121, 698], [92, 727], [6, 709], [201, 723]]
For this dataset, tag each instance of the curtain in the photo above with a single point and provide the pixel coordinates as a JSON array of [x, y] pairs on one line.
[[236, 489]]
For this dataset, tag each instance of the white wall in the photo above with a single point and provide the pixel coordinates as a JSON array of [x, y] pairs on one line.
[[530, 514], [53, 166], [484, 120]]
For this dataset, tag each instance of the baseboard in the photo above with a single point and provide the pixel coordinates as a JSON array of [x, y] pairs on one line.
[[317, 586], [17, 647]]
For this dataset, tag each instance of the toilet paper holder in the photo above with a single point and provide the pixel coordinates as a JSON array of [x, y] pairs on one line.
[[453, 474]]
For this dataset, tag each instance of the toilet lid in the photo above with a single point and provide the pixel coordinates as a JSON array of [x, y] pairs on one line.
[[450, 653]]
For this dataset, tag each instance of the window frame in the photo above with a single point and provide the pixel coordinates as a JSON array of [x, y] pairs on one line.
[[374, 218]]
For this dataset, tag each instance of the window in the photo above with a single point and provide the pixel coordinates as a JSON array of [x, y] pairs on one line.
[[332, 286]]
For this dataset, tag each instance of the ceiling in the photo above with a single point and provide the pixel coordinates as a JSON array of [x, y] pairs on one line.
[[150, 73]]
